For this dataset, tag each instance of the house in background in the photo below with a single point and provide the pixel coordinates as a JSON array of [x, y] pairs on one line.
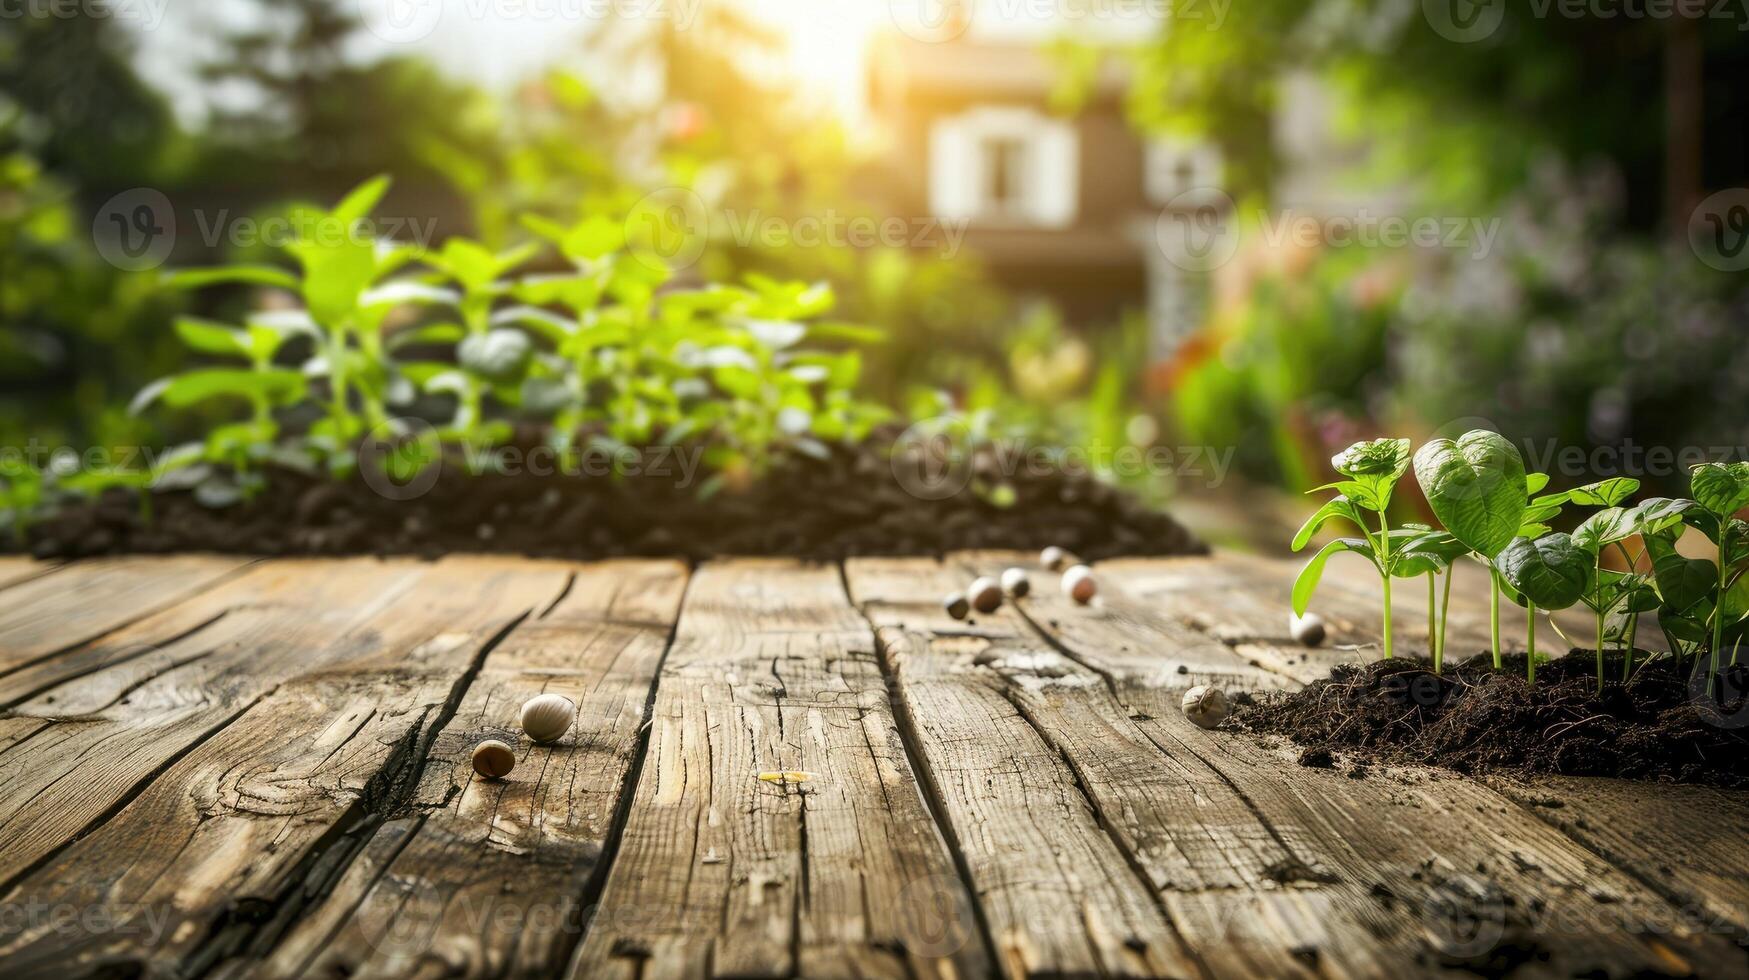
[[1060, 206]]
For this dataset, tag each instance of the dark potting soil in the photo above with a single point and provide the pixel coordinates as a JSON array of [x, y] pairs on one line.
[[853, 503], [1472, 719]]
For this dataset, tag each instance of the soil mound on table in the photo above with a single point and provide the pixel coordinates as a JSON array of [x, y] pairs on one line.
[[854, 502], [1664, 725]]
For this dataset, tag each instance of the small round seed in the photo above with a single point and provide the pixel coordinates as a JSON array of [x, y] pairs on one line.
[[547, 718], [1054, 558], [1015, 582], [494, 759], [1205, 706], [1079, 584], [1308, 629], [986, 594], [956, 605]]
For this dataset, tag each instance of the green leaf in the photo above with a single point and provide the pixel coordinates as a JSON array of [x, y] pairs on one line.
[[1722, 488], [212, 338], [1535, 482], [498, 354], [1682, 581], [1476, 486], [195, 387], [1376, 466], [1604, 528], [1605, 493], [1338, 507], [1307, 582], [358, 205], [1658, 514], [1550, 571], [255, 275]]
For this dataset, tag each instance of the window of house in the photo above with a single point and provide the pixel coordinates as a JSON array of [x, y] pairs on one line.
[[1004, 166]]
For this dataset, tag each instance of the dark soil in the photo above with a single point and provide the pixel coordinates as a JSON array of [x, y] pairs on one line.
[[1662, 726], [850, 504]]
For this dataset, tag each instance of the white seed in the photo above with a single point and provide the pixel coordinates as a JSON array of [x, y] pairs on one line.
[[1079, 585], [956, 605], [1205, 706], [1308, 629], [1053, 558], [986, 594], [1015, 582], [494, 759], [547, 718]]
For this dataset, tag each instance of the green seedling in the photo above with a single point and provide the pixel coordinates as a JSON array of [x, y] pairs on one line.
[[1372, 470], [1548, 573], [1478, 488]]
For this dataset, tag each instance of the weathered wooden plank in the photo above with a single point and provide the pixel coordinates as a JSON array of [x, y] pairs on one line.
[[228, 842], [14, 570], [1482, 878], [1686, 842], [722, 873], [83, 601], [1056, 889], [488, 881]]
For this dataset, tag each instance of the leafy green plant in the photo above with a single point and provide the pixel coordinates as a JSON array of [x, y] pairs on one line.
[[1372, 470], [1478, 488], [21, 495], [1548, 573]]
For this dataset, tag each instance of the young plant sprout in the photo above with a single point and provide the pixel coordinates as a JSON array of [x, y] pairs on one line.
[[1372, 470], [1015, 582], [1549, 573], [1478, 488], [1079, 584]]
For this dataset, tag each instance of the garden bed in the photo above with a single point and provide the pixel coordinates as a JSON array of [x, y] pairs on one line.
[[849, 503]]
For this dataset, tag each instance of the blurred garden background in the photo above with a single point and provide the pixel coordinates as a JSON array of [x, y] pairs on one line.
[[1245, 234]]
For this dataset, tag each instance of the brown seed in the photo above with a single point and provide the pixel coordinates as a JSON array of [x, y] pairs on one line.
[[957, 606], [986, 595], [1079, 584], [494, 759]]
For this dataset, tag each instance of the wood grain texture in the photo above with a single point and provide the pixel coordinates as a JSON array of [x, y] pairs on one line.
[[14, 570], [219, 849], [723, 873], [486, 880], [1483, 878], [1056, 889], [81, 602], [1685, 842]]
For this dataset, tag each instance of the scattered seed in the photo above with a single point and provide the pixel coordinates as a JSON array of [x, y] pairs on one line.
[[986, 594], [494, 759], [1307, 630], [1015, 582], [956, 605], [1054, 558], [547, 718], [1079, 585], [1205, 706]]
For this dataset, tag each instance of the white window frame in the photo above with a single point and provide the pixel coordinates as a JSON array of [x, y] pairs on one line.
[[1049, 172]]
